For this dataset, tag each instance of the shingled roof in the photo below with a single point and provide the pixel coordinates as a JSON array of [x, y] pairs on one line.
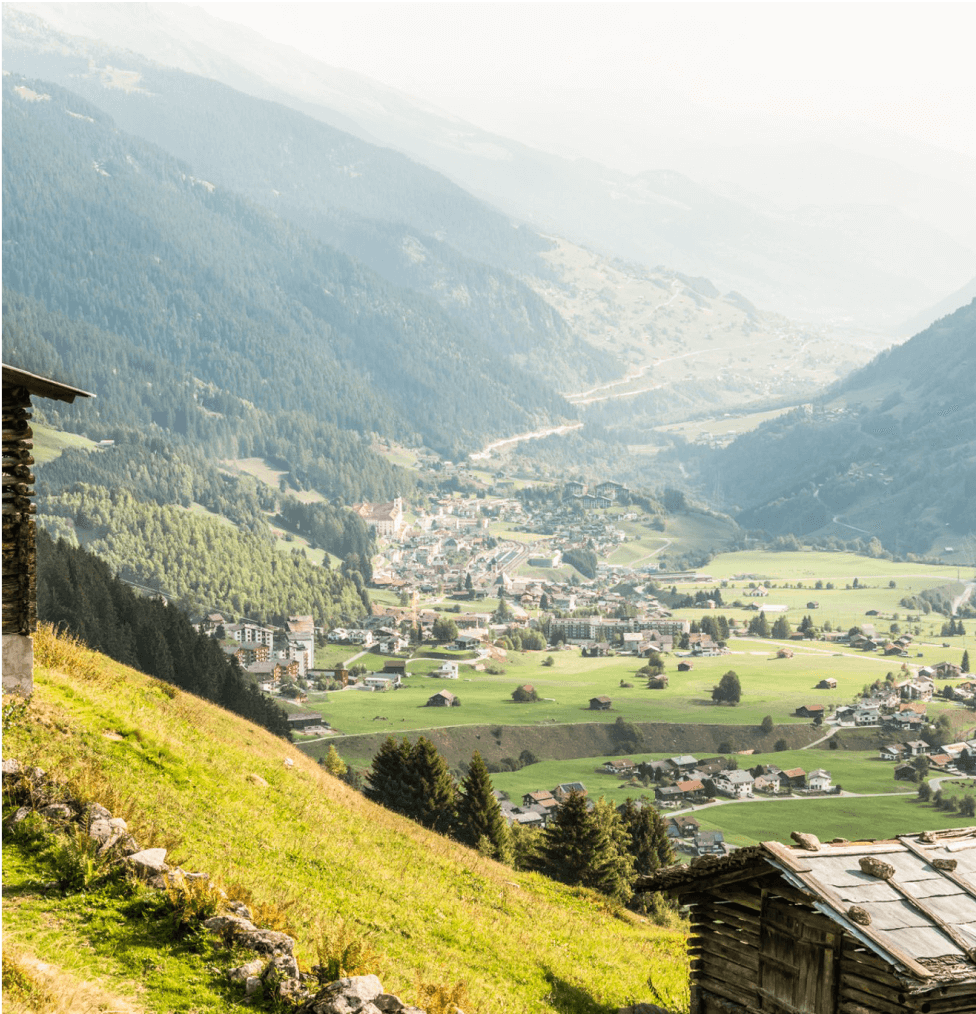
[[911, 899]]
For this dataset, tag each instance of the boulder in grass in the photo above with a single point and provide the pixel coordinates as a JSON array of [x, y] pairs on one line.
[[148, 863]]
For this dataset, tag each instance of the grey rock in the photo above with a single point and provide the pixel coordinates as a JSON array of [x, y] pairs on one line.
[[235, 907], [390, 1004], [128, 845], [285, 966], [98, 812], [253, 985], [12, 770], [292, 989], [57, 811], [22, 814], [117, 823], [247, 971], [353, 995], [100, 831], [229, 925], [148, 862], [265, 941]]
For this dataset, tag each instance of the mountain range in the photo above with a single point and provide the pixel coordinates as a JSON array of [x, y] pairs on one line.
[[836, 229], [888, 453]]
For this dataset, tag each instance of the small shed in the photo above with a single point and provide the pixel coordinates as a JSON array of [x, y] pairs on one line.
[[600, 703], [827, 683], [442, 699], [870, 927], [685, 666], [19, 527]]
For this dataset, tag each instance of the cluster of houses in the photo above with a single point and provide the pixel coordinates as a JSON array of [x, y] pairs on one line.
[[685, 780], [538, 808], [949, 758], [274, 656]]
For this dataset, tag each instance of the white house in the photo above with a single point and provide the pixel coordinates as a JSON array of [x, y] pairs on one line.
[[448, 670], [379, 683], [819, 780], [735, 784]]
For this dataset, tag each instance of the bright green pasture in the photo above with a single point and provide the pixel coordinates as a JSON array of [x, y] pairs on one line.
[[49, 443], [852, 817], [856, 772], [809, 566], [548, 774], [331, 655], [511, 531], [770, 686]]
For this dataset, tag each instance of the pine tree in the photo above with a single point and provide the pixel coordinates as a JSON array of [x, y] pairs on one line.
[[388, 779], [782, 628], [580, 847], [333, 763], [965, 661], [431, 791], [478, 813], [650, 846], [729, 690]]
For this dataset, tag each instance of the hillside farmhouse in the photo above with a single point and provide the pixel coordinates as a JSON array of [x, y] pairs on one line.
[[871, 927]]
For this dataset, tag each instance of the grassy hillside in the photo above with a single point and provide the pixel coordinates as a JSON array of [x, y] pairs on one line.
[[309, 848]]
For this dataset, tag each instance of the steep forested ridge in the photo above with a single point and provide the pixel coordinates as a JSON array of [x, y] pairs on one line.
[[80, 594], [114, 232], [889, 451], [407, 222]]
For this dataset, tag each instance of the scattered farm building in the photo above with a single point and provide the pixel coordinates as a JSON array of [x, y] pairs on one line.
[[871, 927], [600, 703], [442, 699]]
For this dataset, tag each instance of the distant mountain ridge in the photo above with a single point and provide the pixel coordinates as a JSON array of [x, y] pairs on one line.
[[816, 262], [216, 286], [888, 452]]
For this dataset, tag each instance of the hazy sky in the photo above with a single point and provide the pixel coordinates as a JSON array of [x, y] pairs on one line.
[[573, 76]]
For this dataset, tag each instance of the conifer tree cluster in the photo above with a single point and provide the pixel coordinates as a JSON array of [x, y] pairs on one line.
[[592, 846], [79, 593]]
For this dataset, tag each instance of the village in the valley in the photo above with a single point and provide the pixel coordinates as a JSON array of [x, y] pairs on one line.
[[474, 587]]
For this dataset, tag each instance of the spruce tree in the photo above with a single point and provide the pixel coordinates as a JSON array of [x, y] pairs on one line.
[[965, 661], [333, 763], [650, 846], [580, 847], [478, 813], [431, 795], [388, 779]]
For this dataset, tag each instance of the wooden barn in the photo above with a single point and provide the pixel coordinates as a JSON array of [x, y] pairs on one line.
[[871, 927], [19, 531]]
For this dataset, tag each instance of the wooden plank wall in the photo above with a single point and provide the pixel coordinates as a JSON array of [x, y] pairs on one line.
[[19, 580]]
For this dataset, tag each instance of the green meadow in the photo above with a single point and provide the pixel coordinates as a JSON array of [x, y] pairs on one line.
[[770, 686], [49, 443], [852, 817]]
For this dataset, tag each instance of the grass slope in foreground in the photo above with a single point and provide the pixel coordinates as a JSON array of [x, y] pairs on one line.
[[434, 911]]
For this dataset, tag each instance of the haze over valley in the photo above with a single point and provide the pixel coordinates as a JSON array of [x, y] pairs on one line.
[[514, 425]]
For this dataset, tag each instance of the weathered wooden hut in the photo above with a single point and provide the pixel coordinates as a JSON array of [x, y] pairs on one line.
[[871, 927], [19, 527]]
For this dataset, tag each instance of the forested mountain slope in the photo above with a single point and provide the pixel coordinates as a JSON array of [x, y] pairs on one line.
[[855, 251], [110, 230], [406, 221], [888, 452]]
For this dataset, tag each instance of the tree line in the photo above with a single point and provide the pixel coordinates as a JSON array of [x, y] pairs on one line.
[[79, 593], [595, 846]]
